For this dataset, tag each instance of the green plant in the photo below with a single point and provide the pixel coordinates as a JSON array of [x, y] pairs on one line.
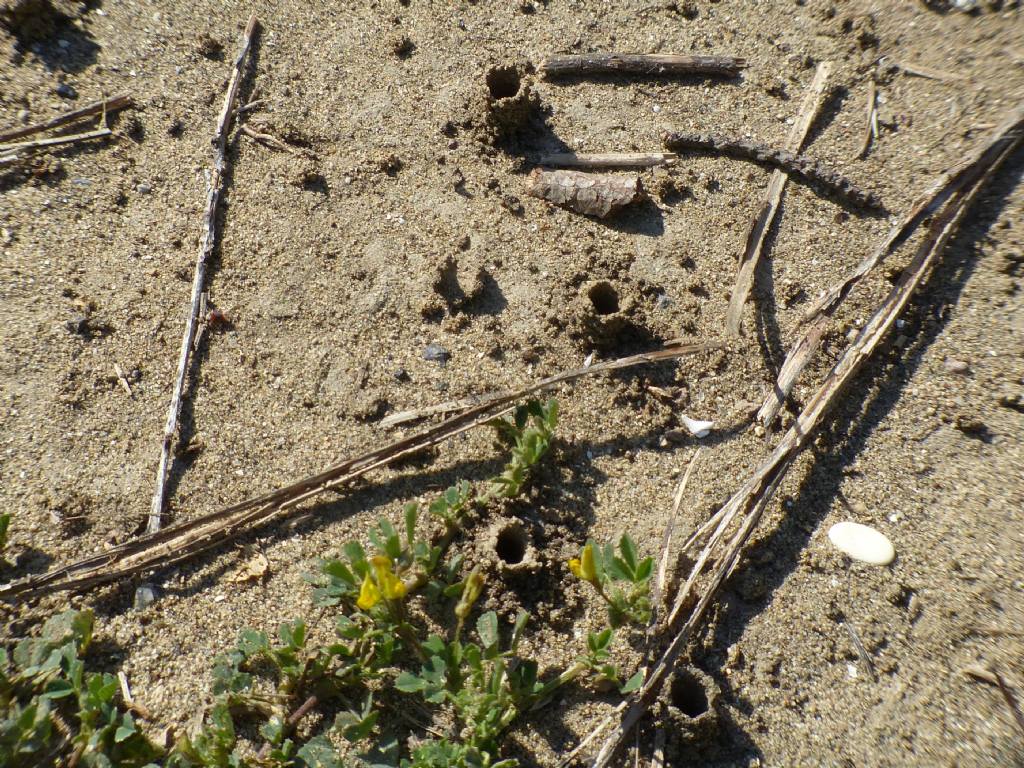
[[53, 708], [623, 581], [386, 645], [5, 524]]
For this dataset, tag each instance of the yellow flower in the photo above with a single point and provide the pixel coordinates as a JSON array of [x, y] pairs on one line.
[[369, 595], [392, 587], [583, 567]]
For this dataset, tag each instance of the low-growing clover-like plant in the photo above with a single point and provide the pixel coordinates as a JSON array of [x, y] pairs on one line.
[[403, 627], [54, 711]]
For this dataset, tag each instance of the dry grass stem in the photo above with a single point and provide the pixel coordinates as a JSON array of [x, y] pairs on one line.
[[871, 125], [609, 159], [762, 222], [175, 544], [950, 183], [747, 505], [105, 106]]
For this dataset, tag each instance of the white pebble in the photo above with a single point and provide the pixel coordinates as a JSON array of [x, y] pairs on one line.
[[862, 543], [697, 428]]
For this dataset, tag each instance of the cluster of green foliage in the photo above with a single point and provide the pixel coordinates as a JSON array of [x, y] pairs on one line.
[[384, 649], [52, 706]]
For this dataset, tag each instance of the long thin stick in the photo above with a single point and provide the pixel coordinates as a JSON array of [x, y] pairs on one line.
[[642, 64], [752, 498], [180, 542], [56, 141], [950, 183], [609, 159], [214, 187], [773, 196], [666, 543], [112, 104]]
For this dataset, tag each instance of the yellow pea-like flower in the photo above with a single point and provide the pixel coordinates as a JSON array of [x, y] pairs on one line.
[[369, 595], [390, 586], [583, 567]]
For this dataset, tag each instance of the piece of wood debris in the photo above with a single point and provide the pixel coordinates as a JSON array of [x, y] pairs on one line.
[[794, 164], [104, 106], [654, 64], [122, 379], [609, 159], [592, 194], [992, 677]]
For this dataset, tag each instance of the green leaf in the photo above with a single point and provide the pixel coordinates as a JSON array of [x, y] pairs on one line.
[[411, 512], [487, 628], [628, 550], [357, 556], [318, 752], [633, 683], [517, 630], [5, 524], [293, 633], [644, 570], [410, 683], [126, 730]]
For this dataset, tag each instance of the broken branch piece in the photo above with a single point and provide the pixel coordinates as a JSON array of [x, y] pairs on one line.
[[642, 64], [609, 160], [793, 164], [593, 194]]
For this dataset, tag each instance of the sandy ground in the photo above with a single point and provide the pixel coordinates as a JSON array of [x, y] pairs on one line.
[[400, 220]]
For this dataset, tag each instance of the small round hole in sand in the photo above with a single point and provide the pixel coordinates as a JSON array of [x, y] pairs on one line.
[[503, 82], [687, 695], [511, 545], [604, 298]]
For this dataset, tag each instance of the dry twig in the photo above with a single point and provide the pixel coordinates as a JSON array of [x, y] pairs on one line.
[[609, 159], [748, 503], [180, 542], [871, 125], [795, 164], [105, 106], [950, 183], [23, 150], [592, 194], [992, 677], [214, 187], [657, 64], [766, 215]]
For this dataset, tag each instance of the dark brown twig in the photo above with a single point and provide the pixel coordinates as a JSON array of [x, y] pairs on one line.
[[112, 104], [796, 165], [213, 192], [180, 542], [758, 231], [292, 721], [654, 64]]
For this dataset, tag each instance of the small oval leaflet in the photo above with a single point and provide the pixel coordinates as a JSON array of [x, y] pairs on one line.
[[862, 543], [593, 194]]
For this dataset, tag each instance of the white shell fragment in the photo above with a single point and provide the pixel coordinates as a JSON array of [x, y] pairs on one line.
[[862, 543], [697, 428]]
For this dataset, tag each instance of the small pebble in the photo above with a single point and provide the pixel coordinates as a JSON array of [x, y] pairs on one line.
[[401, 375], [23, 115], [436, 353], [956, 366], [65, 91], [145, 596], [862, 543], [143, 189], [64, 44]]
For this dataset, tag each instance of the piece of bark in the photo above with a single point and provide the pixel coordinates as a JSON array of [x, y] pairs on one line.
[[593, 194]]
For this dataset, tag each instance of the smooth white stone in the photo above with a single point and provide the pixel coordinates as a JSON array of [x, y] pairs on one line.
[[697, 428], [862, 543]]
